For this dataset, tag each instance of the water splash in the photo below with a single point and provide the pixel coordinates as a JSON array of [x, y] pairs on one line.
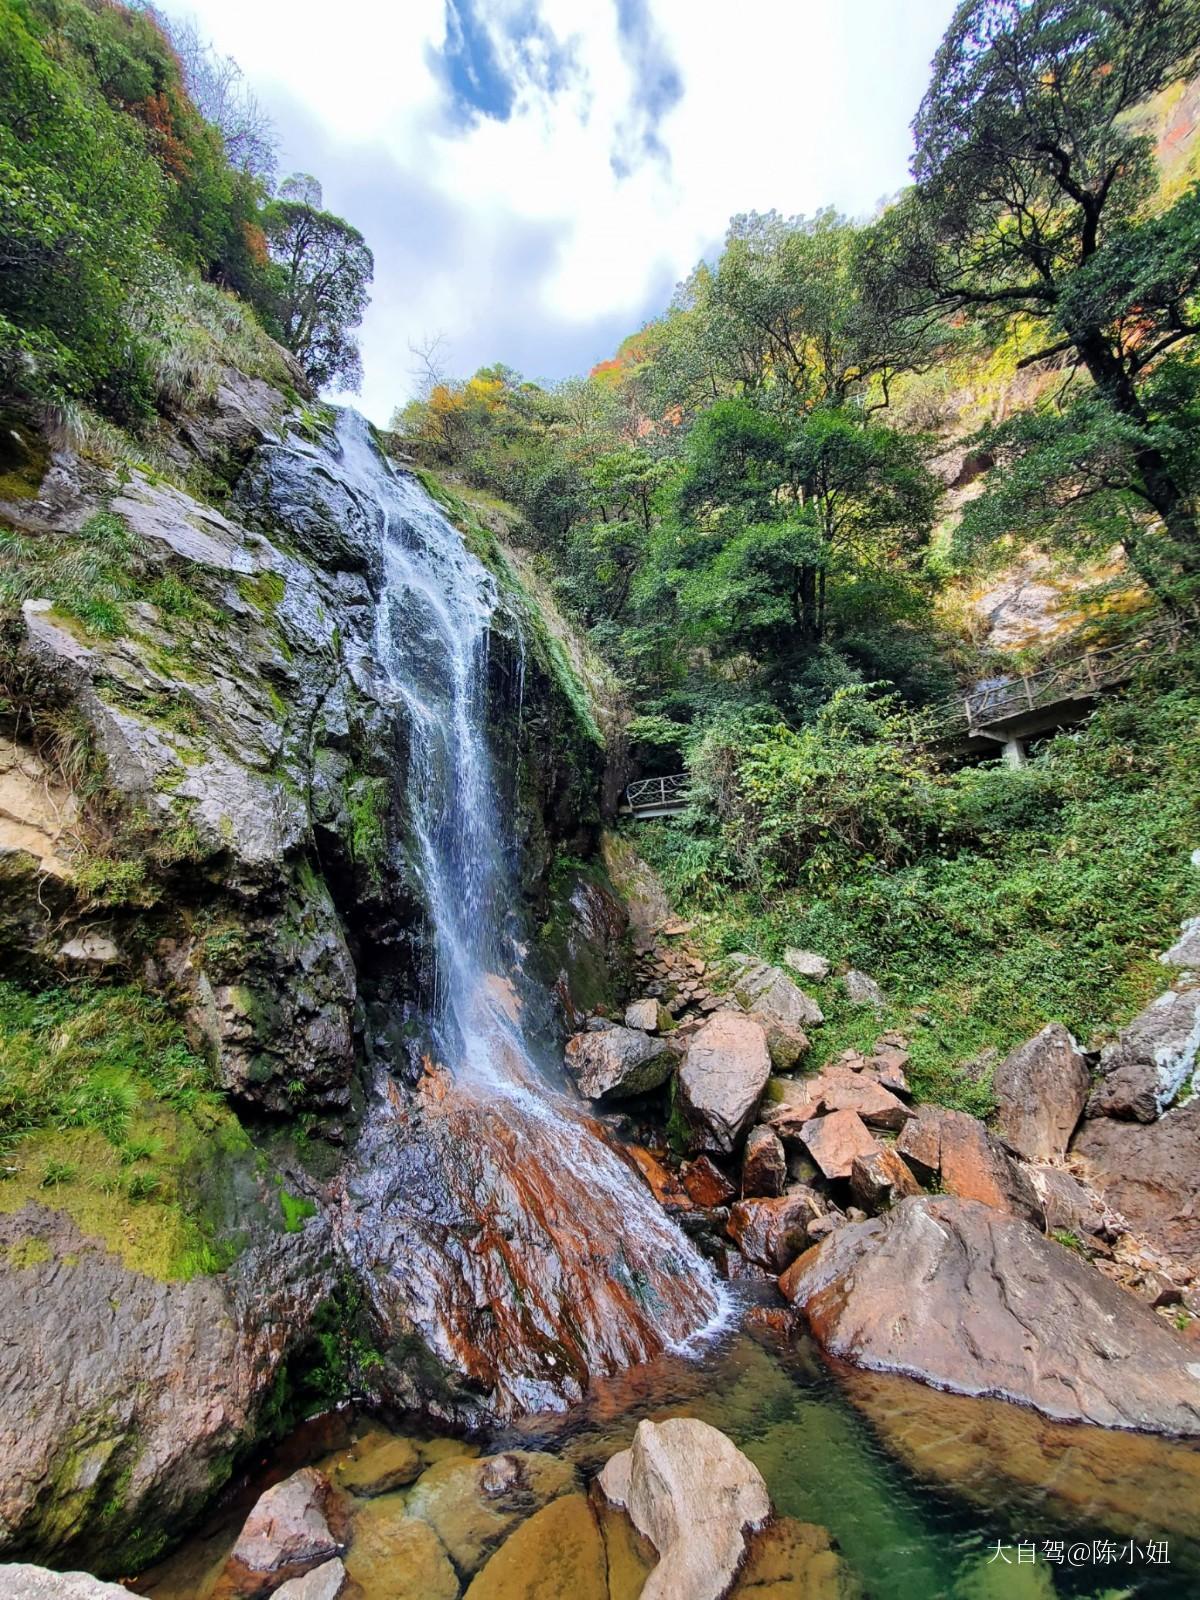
[[509, 1232]]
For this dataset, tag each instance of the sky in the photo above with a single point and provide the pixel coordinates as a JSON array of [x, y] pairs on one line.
[[535, 176]]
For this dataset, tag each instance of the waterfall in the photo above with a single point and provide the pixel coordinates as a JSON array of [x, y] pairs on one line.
[[497, 1219]]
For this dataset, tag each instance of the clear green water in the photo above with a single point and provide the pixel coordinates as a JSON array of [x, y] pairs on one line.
[[917, 1488]]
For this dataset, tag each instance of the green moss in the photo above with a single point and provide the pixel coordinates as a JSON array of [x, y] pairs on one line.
[[367, 807], [29, 1252], [296, 1209], [23, 460], [263, 590]]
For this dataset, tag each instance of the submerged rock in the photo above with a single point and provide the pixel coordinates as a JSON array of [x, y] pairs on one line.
[[397, 1555], [696, 1497], [379, 1463], [558, 1554], [473, 1505], [722, 1079], [1145, 1068], [1041, 1089], [1001, 1311], [618, 1062], [791, 1560]]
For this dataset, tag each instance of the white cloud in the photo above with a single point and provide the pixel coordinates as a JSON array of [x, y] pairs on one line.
[[519, 238]]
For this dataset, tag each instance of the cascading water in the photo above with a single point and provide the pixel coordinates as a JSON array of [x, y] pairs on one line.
[[492, 1217]]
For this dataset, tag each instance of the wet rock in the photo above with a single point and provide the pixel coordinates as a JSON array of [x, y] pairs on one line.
[[788, 1104], [127, 1393], [772, 1233], [864, 991], [695, 1496], [1002, 1311], [646, 1016], [879, 1178], [840, 1090], [1147, 1173], [617, 1063], [473, 1505], [325, 1582], [722, 1079], [1185, 952], [664, 1185], [764, 1165], [1041, 1089], [20, 1581], [558, 1553], [706, 1184], [955, 1149], [790, 1559], [379, 1463], [835, 1140], [807, 963], [285, 1534], [399, 1556], [1144, 1069]]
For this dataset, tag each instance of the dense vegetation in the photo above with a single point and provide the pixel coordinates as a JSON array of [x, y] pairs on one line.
[[746, 509], [140, 243]]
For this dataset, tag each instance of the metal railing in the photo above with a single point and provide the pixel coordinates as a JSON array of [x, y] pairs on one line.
[[654, 794], [1077, 678]]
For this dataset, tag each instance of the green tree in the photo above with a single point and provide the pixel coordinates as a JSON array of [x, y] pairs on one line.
[[1032, 205], [325, 270]]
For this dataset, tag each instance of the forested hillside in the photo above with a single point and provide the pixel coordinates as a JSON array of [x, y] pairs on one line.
[[775, 508]]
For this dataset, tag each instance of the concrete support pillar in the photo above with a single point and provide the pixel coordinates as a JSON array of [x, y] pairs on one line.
[[1014, 751]]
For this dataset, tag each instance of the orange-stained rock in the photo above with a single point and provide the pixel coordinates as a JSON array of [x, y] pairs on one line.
[[705, 1183], [834, 1141], [956, 1149], [880, 1177], [664, 1185], [842, 1090], [1001, 1310], [764, 1165], [771, 1233]]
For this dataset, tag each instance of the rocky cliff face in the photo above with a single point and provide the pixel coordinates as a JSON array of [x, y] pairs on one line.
[[202, 799]]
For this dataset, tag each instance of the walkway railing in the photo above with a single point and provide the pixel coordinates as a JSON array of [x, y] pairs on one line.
[[1075, 679], [657, 794]]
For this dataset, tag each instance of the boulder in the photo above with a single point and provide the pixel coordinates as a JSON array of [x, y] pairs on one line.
[[20, 1581], [833, 1142], [1147, 1173], [837, 1087], [764, 1165], [1001, 1311], [722, 1078], [864, 991], [783, 1008], [956, 1149], [325, 1582], [1144, 1069], [887, 1063], [618, 1062], [1069, 1206], [807, 963], [558, 1552], [695, 1496], [399, 1556], [1041, 1089], [788, 1559], [473, 1506], [286, 1533], [788, 1104], [880, 1177], [662, 1182], [647, 1015], [705, 1183], [378, 1463], [772, 1233], [1185, 952]]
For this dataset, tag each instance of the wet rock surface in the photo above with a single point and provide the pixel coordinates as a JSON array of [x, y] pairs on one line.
[[286, 1534], [325, 1582], [1041, 1089], [1000, 1311], [696, 1497], [772, 1233], [559, 1551], [617, 1062], [764, 1165], [473, 1505]]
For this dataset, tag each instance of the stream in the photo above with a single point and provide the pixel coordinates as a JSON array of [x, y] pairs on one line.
[[491, 1215]]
